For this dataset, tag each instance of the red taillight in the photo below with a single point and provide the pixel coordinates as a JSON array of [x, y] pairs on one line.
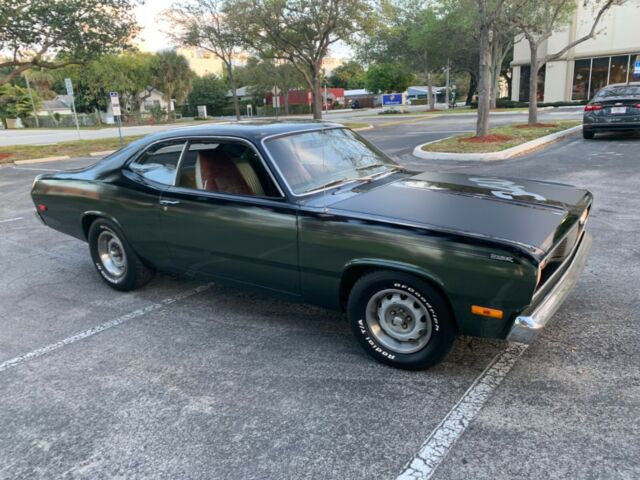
[[42, 208], [591, 108], [637, 105]]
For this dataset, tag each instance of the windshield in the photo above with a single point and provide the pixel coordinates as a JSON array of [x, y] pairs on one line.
[[620, 91], [314, 160]]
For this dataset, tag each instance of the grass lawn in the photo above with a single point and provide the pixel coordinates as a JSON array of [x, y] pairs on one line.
[[516, 136], [78, 148]]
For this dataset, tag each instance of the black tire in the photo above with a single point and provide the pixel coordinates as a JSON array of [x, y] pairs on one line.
[[588, 134], [429, 311], [104, 234]]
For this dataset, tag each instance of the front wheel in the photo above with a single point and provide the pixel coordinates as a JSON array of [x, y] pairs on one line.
[[400, 320], [113, 257], [587, 134]]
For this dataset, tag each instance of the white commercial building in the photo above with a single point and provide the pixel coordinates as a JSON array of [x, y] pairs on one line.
[[608, 58]]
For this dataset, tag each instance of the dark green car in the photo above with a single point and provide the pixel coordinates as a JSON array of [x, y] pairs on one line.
[[313, 212]]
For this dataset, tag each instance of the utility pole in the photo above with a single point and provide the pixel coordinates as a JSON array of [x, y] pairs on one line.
[[33, 104]]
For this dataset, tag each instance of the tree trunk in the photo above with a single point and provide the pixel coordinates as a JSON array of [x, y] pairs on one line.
[[484, 82], [432, 97], [285, 87], [234, 89], [533, 83], [316, 94], [473, 85], [427, 77], [496, 64]]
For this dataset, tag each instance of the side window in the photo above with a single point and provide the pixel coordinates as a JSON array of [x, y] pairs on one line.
[[225, 167], [159, 162]]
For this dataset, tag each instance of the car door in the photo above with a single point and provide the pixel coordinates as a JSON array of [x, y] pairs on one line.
[[226, 217], [134, 202]]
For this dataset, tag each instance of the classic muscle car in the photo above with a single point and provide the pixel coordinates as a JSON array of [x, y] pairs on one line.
[[314, 212]]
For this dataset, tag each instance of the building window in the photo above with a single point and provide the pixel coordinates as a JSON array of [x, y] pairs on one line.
[[599, 74], [633, 77], [618, 69], [581, 72], [591, 74], [525, 73]]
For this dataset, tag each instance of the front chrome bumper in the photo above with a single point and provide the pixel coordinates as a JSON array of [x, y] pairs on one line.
[[532, 320]]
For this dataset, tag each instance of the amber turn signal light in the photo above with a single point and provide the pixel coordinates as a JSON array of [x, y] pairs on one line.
[[486, 312]]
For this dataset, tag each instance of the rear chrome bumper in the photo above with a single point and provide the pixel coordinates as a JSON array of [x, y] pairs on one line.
[[531, 321]]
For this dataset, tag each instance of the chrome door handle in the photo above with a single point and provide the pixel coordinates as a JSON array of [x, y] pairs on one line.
[[169, 202]]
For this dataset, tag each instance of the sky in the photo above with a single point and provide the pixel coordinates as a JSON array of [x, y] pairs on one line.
[[152, 38], [149, 17]]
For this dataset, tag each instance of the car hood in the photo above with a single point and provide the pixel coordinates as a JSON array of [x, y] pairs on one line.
[[530, 214]]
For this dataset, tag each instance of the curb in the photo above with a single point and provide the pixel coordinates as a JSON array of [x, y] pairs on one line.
[[102, 153], [491, 156], [42, 160]]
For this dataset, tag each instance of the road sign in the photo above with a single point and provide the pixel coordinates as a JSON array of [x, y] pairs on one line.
[[116, 110], [115, 99], [275, 90], [392, 99], [117, 113], [69, 85]]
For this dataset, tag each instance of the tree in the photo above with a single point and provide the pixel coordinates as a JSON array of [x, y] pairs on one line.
[[16, 103], [537, 21], [209, 90], [51, 34], [348, 75], [300, 31], [128, 73], [491, 14], [203, 24], [263, 74], [387, 78], [170, 73]]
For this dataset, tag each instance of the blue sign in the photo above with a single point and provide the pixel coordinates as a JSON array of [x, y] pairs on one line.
[[392, 99], [636, 70]]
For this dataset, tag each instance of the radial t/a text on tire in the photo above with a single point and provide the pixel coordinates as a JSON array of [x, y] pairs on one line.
[[400, 319]]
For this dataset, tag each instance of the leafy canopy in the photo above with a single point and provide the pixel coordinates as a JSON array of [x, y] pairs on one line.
[[54, 33]]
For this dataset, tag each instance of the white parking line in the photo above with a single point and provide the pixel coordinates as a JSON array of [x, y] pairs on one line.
[[14, 219], [436, 447], [100, 328]]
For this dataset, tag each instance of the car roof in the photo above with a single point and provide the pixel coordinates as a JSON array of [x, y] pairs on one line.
[[250, 130]]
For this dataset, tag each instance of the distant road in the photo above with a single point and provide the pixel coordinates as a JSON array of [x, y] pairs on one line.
[[49, 136]]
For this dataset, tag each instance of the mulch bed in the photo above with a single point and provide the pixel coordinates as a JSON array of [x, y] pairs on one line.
[[538, 125], [4, 156], [488, 139]]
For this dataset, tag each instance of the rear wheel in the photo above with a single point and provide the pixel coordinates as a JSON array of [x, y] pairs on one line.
[[115, 260], [400, 320], [587, 134]]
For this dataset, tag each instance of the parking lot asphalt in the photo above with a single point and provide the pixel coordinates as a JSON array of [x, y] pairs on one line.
[[186, 380]]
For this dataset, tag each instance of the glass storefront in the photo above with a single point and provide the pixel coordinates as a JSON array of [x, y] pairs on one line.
[[591, 74], [525, 73]]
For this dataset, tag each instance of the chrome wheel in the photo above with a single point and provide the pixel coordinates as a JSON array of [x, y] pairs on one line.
[[398, 321], [112, 255]]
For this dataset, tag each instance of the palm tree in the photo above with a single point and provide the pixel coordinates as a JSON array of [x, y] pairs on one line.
[[171, 75]]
